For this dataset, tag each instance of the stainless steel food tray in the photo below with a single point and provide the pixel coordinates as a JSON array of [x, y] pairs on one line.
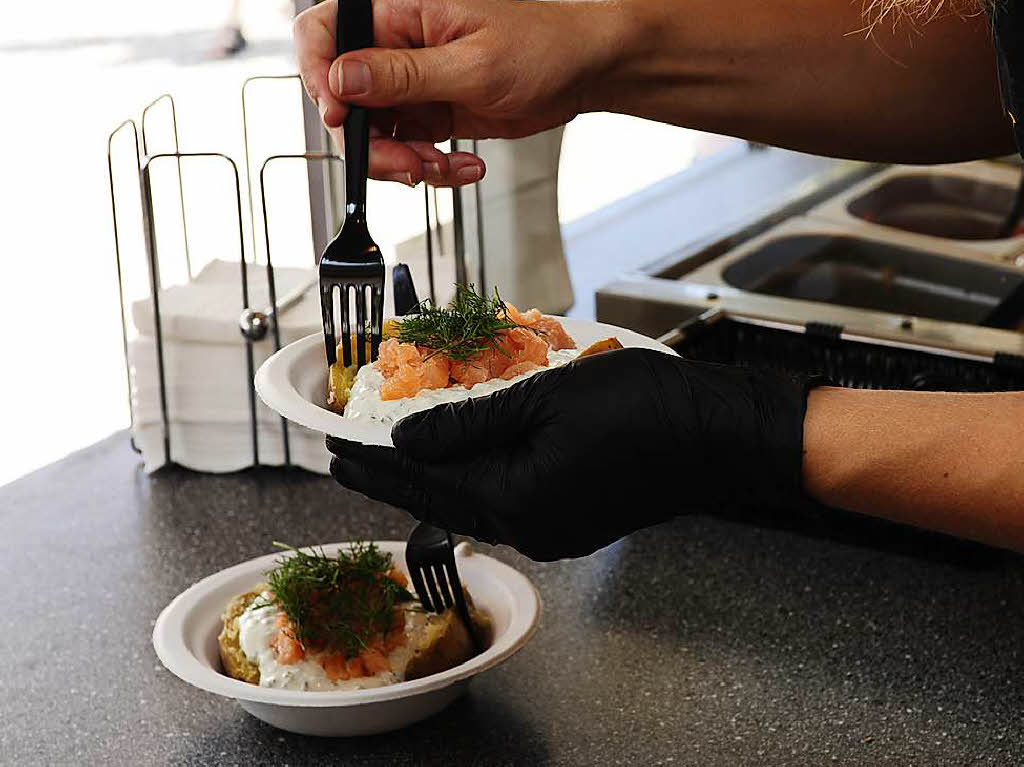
[[655, 301], [933, 205]]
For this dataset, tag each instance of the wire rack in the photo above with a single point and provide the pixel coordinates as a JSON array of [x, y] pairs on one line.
[[255, 322]]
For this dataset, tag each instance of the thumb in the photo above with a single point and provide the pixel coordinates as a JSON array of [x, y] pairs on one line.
[[383, 77]]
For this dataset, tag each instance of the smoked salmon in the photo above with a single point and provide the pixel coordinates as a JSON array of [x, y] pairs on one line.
[[287, 648], [409, 368]]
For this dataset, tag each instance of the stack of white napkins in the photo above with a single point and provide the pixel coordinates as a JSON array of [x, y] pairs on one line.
[[208, 384]]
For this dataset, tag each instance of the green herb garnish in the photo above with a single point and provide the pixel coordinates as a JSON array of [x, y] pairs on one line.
[[337, 604], [470, 324]]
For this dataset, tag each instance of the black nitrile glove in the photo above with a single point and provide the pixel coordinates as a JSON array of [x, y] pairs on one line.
[[573, 458]]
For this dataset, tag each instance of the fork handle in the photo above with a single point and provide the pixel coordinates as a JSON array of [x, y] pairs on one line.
[[455, 583], [354, 32]]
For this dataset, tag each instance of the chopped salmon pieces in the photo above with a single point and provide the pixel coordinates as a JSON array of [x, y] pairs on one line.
[[554, 333], [548, 327], [518, 369], [334, 666], [369, 662], [398, 577], [287, 648], [409, 369], [374, 661], [355, 667]]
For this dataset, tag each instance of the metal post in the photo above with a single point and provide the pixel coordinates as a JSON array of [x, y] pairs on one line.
[[177, 149], [117, 255], [311, 158], [149, 229], [154, 283]]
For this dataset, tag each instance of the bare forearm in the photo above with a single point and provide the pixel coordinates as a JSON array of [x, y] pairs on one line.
[[947, 462], [797, 73]]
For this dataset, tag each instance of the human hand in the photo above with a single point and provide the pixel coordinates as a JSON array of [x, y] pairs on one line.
[[572, 459], [455, 69]]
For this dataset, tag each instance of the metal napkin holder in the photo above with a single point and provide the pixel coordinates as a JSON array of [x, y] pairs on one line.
[[254, 322]]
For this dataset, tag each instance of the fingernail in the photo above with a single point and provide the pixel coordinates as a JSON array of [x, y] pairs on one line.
[[401, 178], [468, 173], [432, 170], [353, 78]]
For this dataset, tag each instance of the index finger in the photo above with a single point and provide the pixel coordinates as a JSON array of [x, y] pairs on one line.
[[314, 35]]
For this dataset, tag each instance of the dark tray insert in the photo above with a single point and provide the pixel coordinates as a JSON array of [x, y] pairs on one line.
[[866, 274], [942, 206]]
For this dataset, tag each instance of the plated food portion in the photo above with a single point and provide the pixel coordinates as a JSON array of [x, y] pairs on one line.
[[185, 635], [325, 623], [293, 381], [473, 347]]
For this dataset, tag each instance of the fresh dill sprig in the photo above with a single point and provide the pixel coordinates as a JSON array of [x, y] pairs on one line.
[[470, 324], [340, 603]]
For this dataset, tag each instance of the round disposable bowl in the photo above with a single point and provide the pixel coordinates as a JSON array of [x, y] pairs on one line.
[[185, 639]]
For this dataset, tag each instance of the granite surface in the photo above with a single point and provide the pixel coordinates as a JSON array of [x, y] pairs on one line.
[[699, 642]]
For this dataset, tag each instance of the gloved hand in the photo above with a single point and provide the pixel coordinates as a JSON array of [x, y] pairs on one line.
[[573, 458]]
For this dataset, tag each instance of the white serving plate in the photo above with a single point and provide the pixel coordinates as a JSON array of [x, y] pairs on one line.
[[294, 381], [185, 639]]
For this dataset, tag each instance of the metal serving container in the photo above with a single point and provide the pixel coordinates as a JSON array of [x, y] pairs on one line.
[[966, 203], [881, 286]]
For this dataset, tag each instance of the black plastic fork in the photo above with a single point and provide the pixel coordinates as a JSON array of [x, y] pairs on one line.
[[430, 557], [352, 264]]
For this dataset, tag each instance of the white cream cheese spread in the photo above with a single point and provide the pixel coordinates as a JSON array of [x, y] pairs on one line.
[[364, 400], [257, 627]]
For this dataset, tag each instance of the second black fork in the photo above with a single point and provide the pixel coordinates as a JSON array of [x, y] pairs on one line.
[[430, 557], [352, 264]]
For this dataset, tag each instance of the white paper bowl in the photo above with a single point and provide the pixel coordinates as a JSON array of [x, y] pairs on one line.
[[185, 639], [293, 381]]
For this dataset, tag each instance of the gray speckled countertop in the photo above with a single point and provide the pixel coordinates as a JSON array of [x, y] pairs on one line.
[[699, 642]]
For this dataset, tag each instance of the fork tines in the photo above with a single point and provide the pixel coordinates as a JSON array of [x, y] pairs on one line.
[[430, 557], [433, 590], [365, 298]]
